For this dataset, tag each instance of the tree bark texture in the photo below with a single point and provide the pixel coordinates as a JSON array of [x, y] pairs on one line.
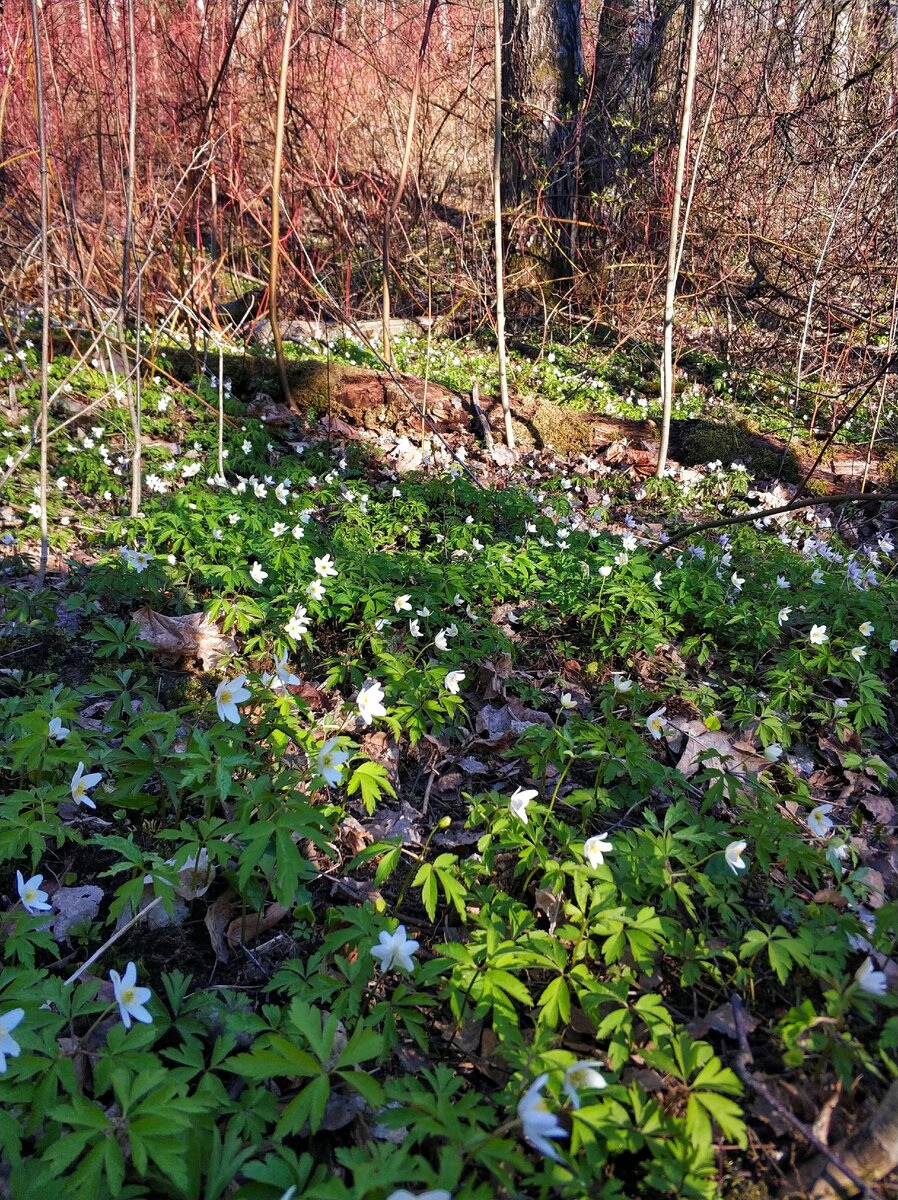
[[542, 79], [630, 37]]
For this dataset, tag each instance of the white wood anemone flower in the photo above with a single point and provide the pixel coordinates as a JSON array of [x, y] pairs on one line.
[[539, 1123], [733, 854], [870, 980], [395, 950], [595, 849], [33, 900], [520, 798], [580, 1076], [228, 694], [370, 701], [130, 998], [81, 785], [9, 1047]]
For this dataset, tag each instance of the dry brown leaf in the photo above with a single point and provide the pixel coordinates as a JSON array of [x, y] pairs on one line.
[[881, 809], [722, 754], [192, 636], [510, 719], [74, 905], [550, 904], [492, 677], [393, 823], [217, 919], [337, 427], [721, 1021], [246, 929], [353, 835]]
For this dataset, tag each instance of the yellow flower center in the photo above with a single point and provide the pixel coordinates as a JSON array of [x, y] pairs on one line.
[[128, 996], [80, 790], [226, 696]]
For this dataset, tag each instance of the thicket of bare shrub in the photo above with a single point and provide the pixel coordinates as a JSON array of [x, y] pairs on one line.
[[794, 198]]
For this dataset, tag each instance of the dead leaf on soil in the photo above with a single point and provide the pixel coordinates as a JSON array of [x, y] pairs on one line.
[[397, 823], [334, 426], [511, 719], [492, 677], [881, 809], [550, 904], [721, 1021], [217, 919], [722, 754], [340, 1110], [244, 930], [74, 905], [192, 636], [473, 766], [353, 836]]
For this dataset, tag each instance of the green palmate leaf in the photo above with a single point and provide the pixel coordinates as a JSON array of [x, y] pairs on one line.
[[366, 1086], [307, 1107], [703, 1108], [277, 1057], [371, 780], [555, 1003], [425, 879]]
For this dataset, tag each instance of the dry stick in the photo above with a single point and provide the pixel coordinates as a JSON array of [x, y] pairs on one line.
[[698, 151], [400, 182], [871, 1150], [481, 417], [220, 411], [837, 428], [497, 225], [45, 289], [115, 936], [133, 396], [122, 306], [743, 1058], [744, 518], [673, 241], [276, 203]]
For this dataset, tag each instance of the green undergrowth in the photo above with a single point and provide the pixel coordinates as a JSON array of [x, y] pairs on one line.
[[586, 371], [443, 908]]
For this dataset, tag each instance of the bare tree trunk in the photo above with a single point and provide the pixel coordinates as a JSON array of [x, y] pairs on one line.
[[542, 70], [45, 288], [133, 395], [400, 183], [667, 381], [497, 228], [630, 38], [274, 269]]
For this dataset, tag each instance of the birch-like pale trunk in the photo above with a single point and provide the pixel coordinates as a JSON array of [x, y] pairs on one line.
[[673, 254], [400, 184], [497, 228], [45, 288], [277, 165], [133, 394]]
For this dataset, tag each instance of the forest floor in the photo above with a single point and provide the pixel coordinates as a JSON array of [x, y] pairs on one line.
[[475, 829]]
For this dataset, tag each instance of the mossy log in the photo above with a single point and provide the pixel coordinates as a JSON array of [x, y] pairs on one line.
[[371, 401]]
